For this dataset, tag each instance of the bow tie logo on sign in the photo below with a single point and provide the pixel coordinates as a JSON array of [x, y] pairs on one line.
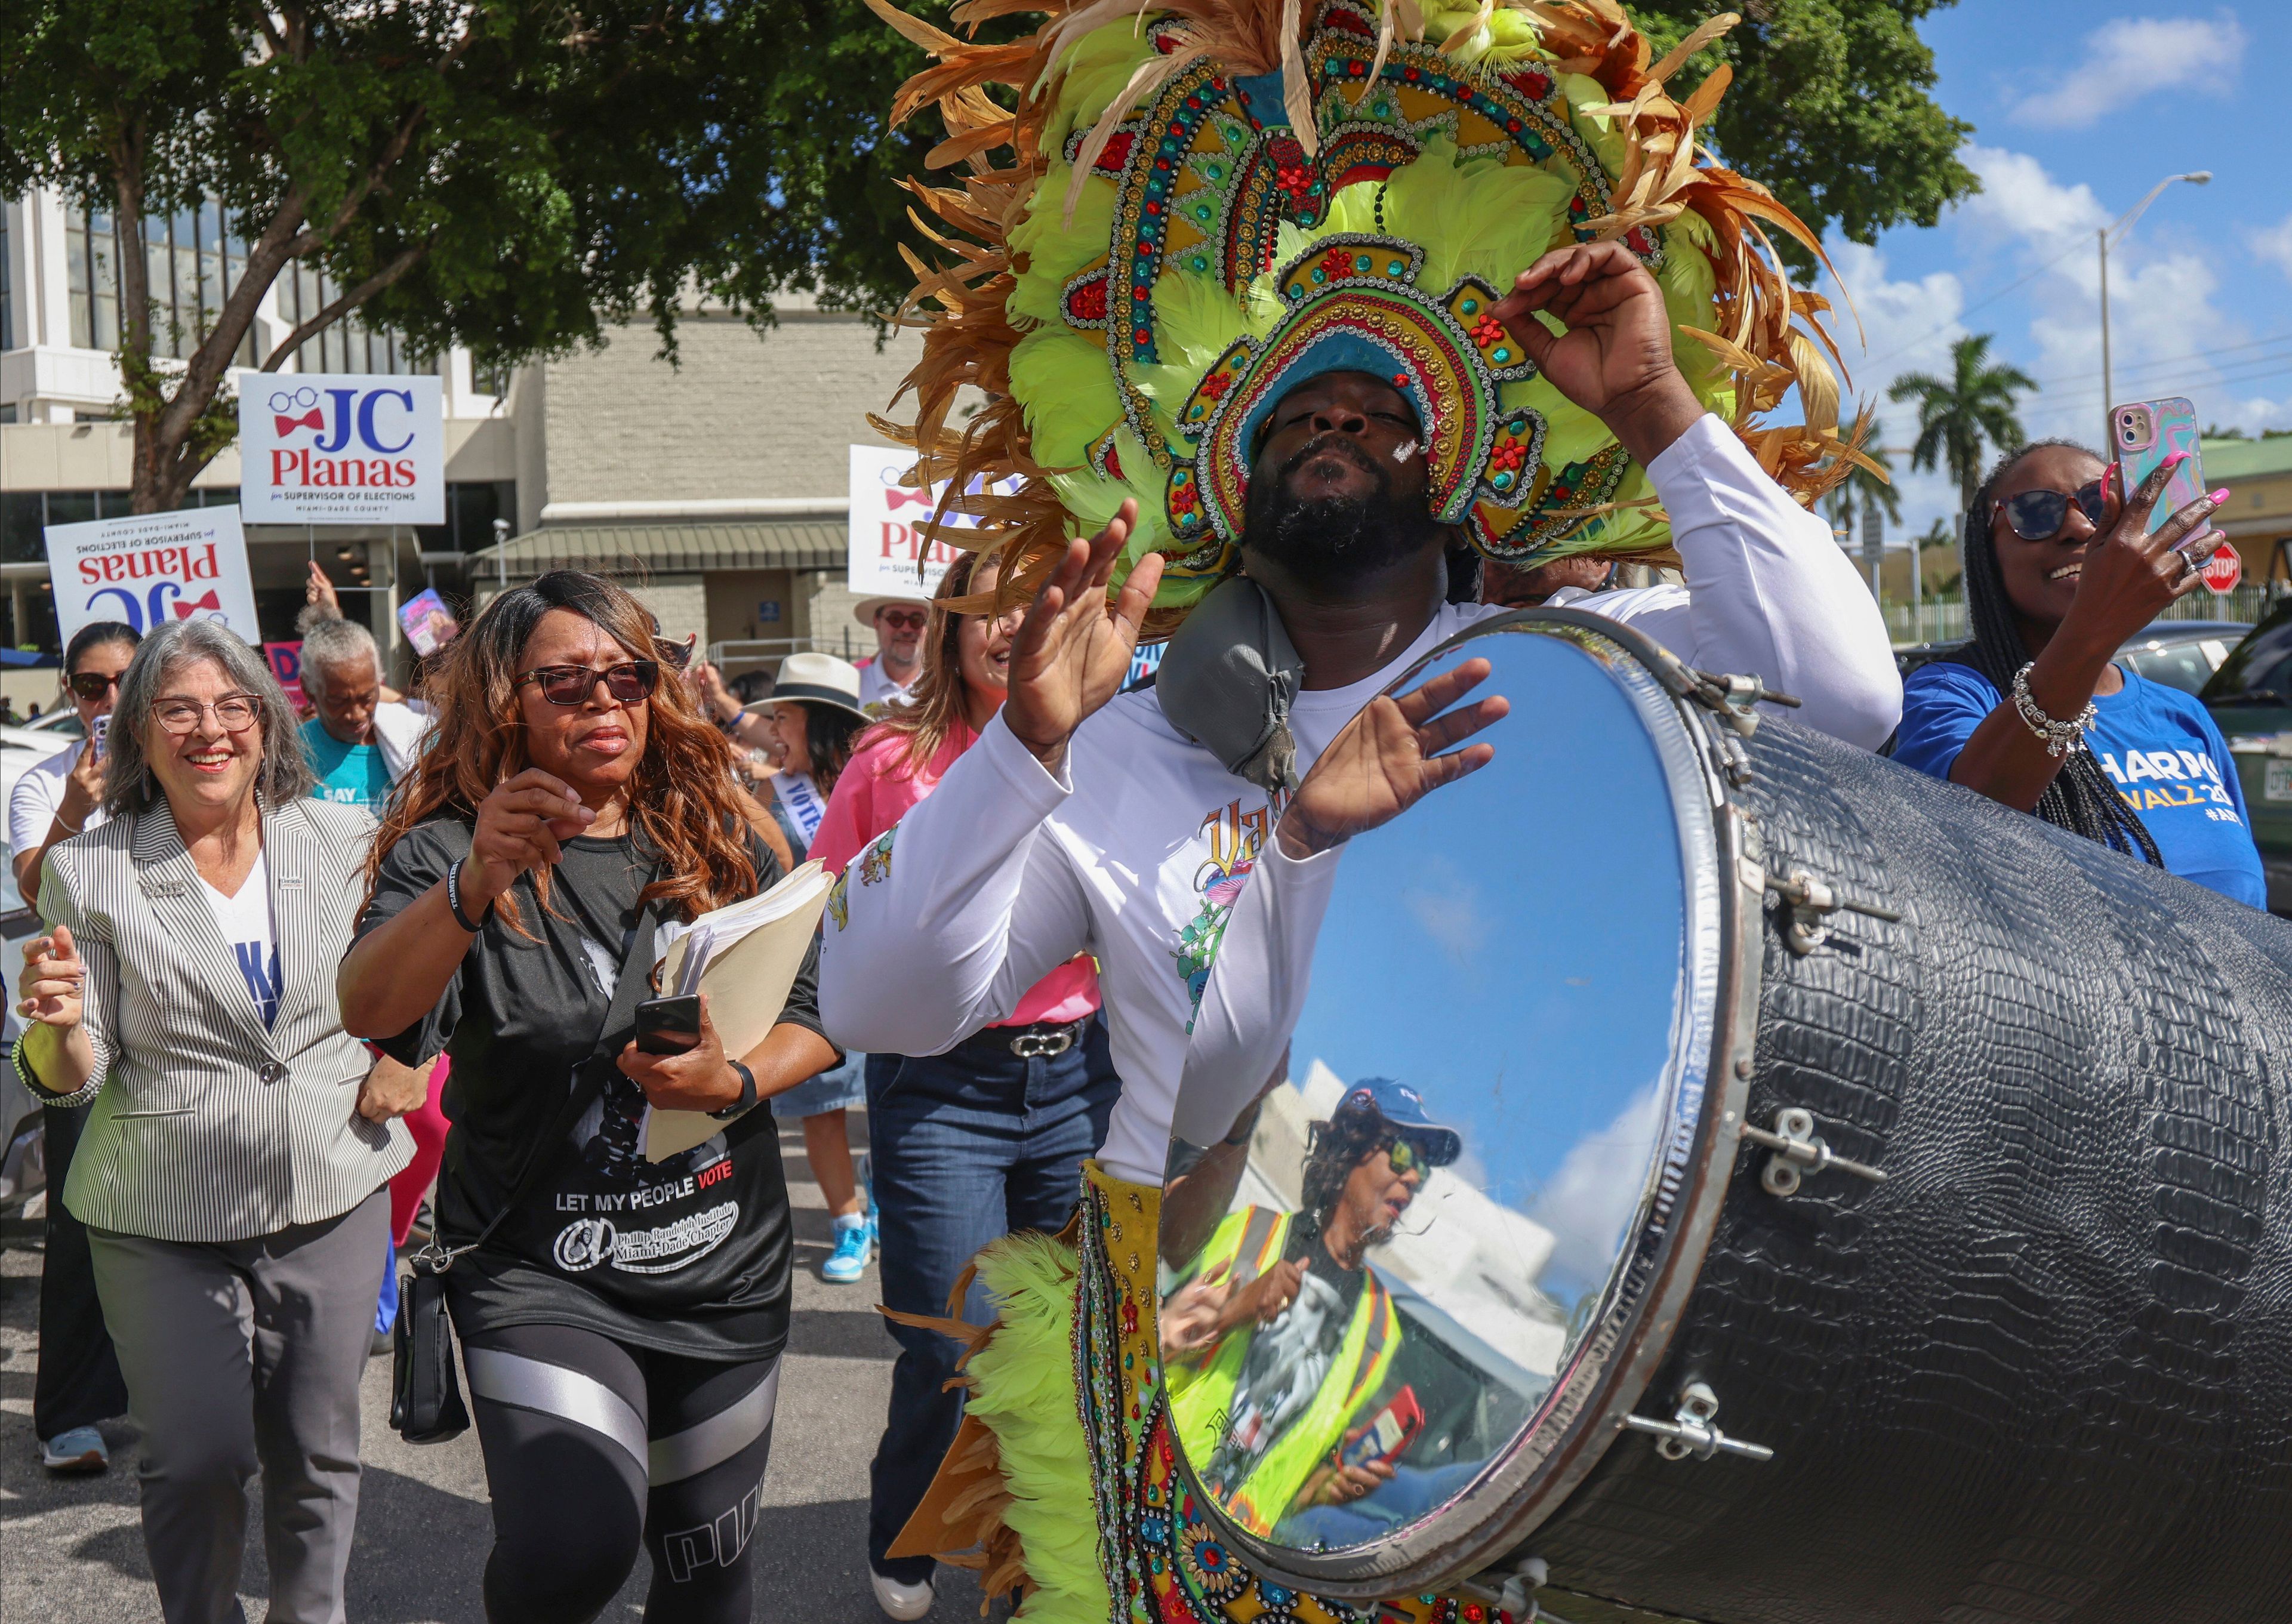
[[335, 450]]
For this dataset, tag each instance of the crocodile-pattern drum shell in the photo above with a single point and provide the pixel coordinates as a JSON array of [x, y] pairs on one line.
[[2044, 1373]]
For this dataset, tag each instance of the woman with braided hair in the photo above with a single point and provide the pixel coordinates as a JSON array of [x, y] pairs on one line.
[[2061, 569]]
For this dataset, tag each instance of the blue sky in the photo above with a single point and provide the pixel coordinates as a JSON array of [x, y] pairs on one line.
[[2077, 109], [1512, 949]]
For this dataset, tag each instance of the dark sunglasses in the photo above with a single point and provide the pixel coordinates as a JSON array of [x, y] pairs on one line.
[[901, 619], [571, 685], [2038, 515], [93, 686], [1406, 1159]]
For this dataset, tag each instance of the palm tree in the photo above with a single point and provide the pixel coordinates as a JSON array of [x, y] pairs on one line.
[[1869, 493], [1957, 414]]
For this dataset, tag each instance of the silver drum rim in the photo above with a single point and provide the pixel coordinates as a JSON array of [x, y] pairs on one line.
[[1611, 1369]]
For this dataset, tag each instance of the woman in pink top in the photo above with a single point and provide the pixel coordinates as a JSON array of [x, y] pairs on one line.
[[988, 1137]]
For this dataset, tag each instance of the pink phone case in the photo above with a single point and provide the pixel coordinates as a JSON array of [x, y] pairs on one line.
[[2142, 433]]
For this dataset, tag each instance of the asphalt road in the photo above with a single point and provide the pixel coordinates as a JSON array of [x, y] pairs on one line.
[[72, 1551]]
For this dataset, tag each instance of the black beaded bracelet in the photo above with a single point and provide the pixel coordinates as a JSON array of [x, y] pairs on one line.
[[454, 899]]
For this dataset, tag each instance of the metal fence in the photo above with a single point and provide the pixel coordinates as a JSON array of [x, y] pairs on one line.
[[1945, 622]]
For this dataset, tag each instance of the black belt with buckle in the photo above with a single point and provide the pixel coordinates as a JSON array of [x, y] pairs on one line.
[[1043, 1040]]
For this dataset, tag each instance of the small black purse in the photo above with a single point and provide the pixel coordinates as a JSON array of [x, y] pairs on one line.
[[425, 1388], [425, 1392]]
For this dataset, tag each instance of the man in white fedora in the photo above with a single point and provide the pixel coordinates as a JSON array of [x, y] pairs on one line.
[[899, 660]]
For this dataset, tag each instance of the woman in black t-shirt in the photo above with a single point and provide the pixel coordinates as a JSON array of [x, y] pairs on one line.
[[623, 1322]]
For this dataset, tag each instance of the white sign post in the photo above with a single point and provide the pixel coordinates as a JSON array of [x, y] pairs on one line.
[[322, 447], [888, 554], [149, 569]]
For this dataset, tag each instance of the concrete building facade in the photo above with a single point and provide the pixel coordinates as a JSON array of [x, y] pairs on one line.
[[713, 483]]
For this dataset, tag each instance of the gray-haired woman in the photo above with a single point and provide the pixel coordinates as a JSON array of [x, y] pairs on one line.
[[231, 1187]]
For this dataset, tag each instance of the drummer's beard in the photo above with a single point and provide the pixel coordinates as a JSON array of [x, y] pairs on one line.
[[1334, 542]]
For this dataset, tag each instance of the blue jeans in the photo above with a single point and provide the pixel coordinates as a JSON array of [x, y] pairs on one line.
[[965, 1147]]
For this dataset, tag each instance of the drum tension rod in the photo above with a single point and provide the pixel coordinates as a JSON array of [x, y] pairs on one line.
[[1810, 900], [1733, 697], [1692, 1431], [1798, 1150]]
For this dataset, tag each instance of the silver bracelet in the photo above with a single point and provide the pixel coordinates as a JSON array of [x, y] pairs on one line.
[[2059, 737]]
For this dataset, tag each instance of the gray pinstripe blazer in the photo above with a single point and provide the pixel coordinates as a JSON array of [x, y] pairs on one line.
[[206, 1124]]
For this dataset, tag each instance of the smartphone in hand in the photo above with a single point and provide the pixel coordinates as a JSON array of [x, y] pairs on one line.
[[2142, 433], [96, 733], [668, 1026]]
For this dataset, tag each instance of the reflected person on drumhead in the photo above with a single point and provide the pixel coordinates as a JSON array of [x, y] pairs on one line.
[[1282, 1345]]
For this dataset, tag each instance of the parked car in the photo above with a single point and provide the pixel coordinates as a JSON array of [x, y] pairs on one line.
[[2181, 654], [2250, 696]]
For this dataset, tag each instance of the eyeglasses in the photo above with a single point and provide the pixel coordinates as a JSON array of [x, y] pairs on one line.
[[901, 619], [234, 713], [93, 686], [1406, 1159], [2038, 515], [571, 685]]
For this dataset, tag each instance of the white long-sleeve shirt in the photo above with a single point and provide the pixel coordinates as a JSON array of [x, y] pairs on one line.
[[1138, 851]]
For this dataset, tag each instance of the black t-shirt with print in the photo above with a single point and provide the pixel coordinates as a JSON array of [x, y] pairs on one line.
[[689, 1255]]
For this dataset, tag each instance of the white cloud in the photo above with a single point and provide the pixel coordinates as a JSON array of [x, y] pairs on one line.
[[1447, 908], [2274, 245], [2131, 58], [1595, 1194]]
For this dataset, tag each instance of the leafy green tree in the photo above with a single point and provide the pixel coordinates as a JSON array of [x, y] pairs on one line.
[[1975, 406], [513, 175], [1831, 108]]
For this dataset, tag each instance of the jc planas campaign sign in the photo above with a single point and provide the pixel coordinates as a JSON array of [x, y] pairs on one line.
[[321, 447], [151, 568]]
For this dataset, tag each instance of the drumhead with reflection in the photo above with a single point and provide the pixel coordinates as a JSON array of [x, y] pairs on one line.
[[1376, 1286]]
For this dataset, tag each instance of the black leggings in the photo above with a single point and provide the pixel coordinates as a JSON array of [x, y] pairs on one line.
[[592, 1446]]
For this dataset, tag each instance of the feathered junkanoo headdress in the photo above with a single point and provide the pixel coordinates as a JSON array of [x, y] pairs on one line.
[[1206, 202]]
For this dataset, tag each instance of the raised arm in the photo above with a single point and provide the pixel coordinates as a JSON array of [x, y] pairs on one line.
[[940, 923], [1768, 590]]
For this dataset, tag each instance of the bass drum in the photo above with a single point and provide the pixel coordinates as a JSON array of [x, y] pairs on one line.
[[1719, 1174]]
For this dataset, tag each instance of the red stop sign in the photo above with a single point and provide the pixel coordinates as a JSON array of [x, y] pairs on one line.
[[2224, 571]]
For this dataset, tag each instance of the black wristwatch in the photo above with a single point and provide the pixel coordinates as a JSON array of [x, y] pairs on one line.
[[748, 1100]]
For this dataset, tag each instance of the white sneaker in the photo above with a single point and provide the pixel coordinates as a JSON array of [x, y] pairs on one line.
[[900, 1601]]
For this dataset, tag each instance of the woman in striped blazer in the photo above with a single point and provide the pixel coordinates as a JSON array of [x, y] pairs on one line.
[[232, 1189]]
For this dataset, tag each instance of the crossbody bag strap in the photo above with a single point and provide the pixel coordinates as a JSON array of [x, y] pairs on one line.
[[588, 1082]]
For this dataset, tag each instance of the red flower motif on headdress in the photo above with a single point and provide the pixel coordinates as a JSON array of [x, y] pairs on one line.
[[1510, 456], [1486, 330], [1216, 385], [1338, 262], [1087, 303]]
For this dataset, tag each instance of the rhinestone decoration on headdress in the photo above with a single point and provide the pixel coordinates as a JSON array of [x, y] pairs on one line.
[[1209, 201]]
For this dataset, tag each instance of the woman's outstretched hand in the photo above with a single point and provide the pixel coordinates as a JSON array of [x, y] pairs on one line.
[[1390, 758], [518, 827], [2129, 574], [51, 982], [1074, 648]]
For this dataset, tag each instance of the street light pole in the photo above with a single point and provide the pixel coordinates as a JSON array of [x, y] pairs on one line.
[[2195, 177]]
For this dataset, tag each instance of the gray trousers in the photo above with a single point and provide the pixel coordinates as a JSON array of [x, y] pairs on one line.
[[242, 1354]]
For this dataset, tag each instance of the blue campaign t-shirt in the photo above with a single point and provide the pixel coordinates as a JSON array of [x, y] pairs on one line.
[[2159, 747], [352, 772]]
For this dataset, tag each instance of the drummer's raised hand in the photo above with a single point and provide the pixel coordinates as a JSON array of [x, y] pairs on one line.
[[1390, 758], [1613, 357], [1074, 648]]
